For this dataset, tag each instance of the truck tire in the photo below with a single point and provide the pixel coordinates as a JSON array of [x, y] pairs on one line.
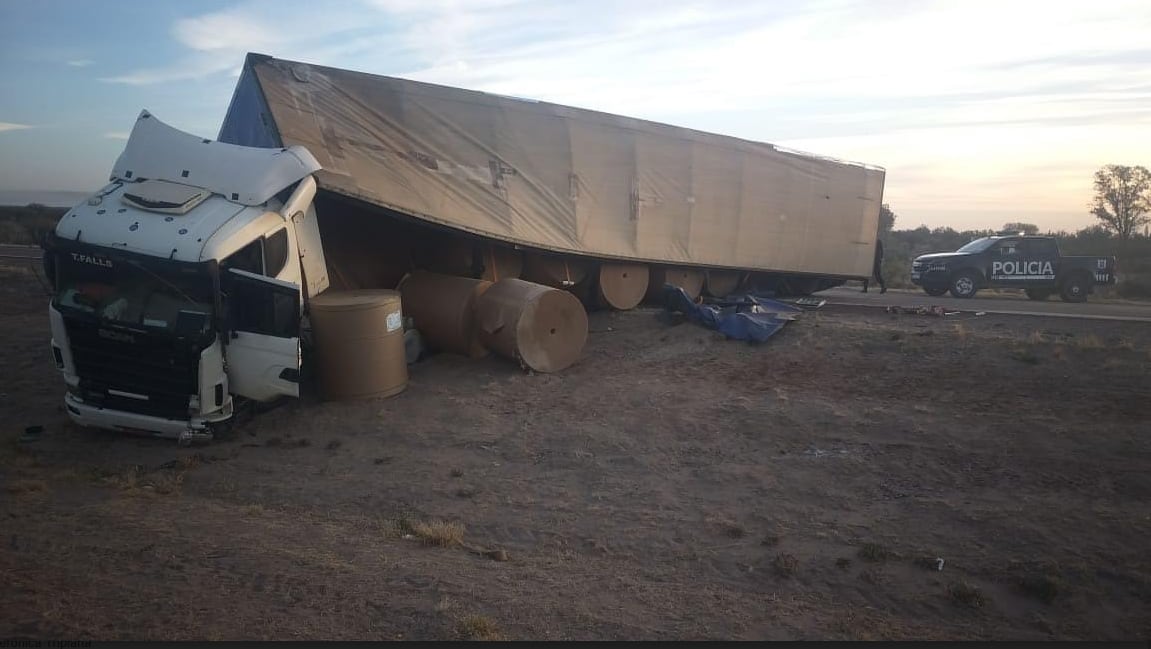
[[1075, 288], [935, 291], [1038, 294], [964, 284]]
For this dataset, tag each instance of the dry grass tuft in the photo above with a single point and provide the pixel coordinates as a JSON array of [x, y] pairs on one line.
[[1089, 341], [17, 487], [134, 480], [479, 627], [785, 565], [1025, 356], [1042, 587], [438, 533], [875, 553], [965, 594]]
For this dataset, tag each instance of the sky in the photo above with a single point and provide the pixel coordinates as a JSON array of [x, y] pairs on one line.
[[982, 112]]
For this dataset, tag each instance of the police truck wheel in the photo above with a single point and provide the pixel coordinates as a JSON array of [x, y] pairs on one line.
[[1039, 294], [1075, 289], [963, 285], [935, 291]]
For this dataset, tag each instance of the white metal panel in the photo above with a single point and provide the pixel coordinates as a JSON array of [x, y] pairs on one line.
[[311, 251], [255, 362], [246, 175], [104, 220]]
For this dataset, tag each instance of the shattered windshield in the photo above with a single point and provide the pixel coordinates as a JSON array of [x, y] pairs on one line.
[[139, 292]]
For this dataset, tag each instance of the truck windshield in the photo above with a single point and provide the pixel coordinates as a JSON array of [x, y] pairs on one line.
[[136, 291], [979, 245]]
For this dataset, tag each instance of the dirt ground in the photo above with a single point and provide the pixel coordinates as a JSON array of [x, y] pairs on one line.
[[671, 485]]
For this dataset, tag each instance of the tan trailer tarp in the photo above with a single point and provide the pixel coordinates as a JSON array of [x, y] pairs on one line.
[[572, 180]]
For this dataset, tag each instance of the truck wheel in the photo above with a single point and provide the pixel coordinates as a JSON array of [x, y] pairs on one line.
[[1039, 294], [935, 291], [964, 285], [1075, 289]]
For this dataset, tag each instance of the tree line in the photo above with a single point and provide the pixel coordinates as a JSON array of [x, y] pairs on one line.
[[1121, 204]]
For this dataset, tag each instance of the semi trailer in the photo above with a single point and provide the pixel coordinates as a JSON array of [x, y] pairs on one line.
[[182, 287]]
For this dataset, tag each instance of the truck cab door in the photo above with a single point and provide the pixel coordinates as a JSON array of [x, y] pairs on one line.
[[262, 322]]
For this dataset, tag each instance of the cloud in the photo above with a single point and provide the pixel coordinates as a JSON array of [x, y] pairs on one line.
[[216, 43], [117, 135], [8, 126], [80, 63], [968, 90]]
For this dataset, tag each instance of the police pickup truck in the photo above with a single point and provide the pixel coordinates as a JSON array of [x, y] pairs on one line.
[[1012, 261]]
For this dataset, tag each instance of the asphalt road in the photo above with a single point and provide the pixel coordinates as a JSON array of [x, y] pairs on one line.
[[992, 303], [19, 252]]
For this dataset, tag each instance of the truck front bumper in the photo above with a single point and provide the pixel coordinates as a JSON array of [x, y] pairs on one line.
[[130, 422]]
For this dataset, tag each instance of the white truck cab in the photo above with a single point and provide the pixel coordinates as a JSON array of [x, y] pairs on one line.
[[181, 285]]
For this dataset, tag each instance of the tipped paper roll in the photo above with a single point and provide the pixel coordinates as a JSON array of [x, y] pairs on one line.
[[542, 328], [442, 308]]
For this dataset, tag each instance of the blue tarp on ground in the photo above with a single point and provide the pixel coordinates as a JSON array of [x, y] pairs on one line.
[[742, 317]]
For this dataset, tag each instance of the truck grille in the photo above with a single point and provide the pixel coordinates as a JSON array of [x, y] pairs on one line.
[[137, 363]]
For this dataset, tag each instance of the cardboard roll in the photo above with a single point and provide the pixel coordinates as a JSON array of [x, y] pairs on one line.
[[542, 328], [554, 270], [468, 258], [689, 279], [621, 286], [359, 339], [721, 283], [442, 309]]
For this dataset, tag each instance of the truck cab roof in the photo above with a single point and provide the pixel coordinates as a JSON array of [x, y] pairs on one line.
[[171, 191], [111, 219]]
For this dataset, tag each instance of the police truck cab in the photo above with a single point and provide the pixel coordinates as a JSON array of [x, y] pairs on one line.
[[1032, 263]]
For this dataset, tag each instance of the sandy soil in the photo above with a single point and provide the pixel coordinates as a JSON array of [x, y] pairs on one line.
[[672, 485]]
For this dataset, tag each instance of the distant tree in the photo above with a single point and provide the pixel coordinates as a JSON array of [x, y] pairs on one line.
[[886, 218], [1122, 199], [1025, 228]]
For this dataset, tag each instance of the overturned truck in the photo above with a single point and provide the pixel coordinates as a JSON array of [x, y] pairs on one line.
[[609, 206], [205, 273]]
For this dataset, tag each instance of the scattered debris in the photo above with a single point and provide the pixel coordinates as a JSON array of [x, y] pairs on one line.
[[810, 303], [936, 311]]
